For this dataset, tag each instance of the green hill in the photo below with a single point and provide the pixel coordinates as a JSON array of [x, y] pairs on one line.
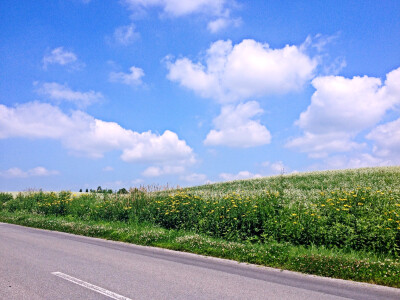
[[344, 224]]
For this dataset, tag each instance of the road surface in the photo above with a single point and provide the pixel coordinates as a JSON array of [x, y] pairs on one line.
[[41, 264]]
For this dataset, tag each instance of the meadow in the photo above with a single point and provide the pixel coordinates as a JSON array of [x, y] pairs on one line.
[[343, 224]]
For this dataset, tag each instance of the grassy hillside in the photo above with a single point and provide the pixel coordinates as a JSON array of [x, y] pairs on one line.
[[315, 220], [303, 186]]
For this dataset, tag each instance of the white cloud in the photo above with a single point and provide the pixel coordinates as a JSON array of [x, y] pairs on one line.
[[359, 160], [317, 46], [126, 35], [334, 68], [345, 105], [319, 41], [195, 178], [277, 167], [164, 170], [322, 144], [341, 108], [35, 172], [177, 8], [151, 147], [108, 169], [61, 57], [222, 23], [59, 92], [82, 134], [238, 176], [133, 78], [235, 127], [387, 140], [218, 10], [248, 69]]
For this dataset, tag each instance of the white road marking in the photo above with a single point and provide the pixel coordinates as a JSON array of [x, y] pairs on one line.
[[90, 286]]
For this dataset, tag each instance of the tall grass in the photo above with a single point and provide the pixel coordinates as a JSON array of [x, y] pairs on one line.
[[348, 210]]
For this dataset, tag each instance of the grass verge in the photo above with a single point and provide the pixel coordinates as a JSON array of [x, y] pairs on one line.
[[335, 263]]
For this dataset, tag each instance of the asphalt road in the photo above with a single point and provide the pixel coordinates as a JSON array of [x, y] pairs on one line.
[[41, 264]]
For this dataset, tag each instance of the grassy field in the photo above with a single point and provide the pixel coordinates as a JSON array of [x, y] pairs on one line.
[[343, 224]]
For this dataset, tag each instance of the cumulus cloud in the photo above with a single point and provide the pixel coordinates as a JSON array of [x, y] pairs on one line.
[[62, 57], [164, 170], [386, 139], [341, 108], [84, 135], [238, 176], [248, 69], [134, 78], [236, 128], [61, 92], [125, 35], [35, 172]]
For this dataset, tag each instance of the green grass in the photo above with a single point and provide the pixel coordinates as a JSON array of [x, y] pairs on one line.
[[342, 224]]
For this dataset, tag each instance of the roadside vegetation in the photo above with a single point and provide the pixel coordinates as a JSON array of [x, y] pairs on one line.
[[343, 224]]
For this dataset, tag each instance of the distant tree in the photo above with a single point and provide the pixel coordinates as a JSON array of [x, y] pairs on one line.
[[122, 191], [80, 191], [99, 189], [87, 191]]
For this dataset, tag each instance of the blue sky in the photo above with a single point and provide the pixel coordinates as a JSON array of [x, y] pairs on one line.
[[137, 92]]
